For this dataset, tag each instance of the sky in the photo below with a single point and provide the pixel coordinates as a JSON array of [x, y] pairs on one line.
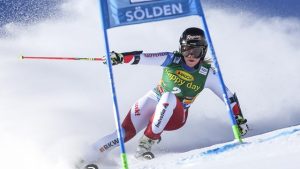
[[52, 110], [285, 8], [29, 11]]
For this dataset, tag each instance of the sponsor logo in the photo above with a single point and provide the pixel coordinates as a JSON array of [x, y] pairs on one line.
[[203, 70], [191, 37], [175, 78], [109, 144], [162, 113], [182, 78], [214, 70], [176, 60], [144, 12], [151, 55], [193, 86], [137, 110], [185, 75]]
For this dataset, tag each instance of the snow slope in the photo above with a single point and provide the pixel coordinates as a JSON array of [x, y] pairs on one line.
[[51, 110], [277, 149]]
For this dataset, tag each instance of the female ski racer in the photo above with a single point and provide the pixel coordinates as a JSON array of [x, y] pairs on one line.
[[186, 73]]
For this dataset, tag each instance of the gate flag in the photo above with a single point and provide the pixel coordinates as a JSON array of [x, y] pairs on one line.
[[127, 12]]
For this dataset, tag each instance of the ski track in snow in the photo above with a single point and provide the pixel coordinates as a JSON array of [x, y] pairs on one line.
[[273, 144]]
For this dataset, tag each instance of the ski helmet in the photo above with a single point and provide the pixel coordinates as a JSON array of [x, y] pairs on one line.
[[193, 40]]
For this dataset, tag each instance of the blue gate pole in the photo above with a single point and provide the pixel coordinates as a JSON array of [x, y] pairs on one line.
[[113, 90], [235, 127]]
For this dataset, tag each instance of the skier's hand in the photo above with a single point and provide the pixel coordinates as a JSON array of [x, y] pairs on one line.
[[116, 58], [242, 124]]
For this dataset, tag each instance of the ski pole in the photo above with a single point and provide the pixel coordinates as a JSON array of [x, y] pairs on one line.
[[121, 135], [62, 58], [235, 128]]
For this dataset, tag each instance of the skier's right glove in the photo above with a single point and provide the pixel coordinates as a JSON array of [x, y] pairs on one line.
[[116, 58], [242, 124]]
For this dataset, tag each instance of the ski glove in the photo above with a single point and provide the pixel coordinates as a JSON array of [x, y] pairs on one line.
[[116, 58], [242, 124]]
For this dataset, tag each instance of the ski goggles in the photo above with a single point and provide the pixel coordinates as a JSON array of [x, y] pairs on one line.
[[194, 51]]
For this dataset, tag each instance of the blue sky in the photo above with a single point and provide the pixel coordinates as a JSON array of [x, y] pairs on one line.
[[34, 10], [27, 10], [283, 8]]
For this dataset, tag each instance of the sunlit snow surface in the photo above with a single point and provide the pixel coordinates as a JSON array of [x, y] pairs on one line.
[[277, 149]]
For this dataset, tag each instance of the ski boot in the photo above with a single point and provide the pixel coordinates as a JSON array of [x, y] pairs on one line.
[[144, 148], [91, 166], [84, 165]]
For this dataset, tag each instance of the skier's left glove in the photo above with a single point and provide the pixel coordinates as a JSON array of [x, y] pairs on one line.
[[242, 124], [240, 120], [116, 58]]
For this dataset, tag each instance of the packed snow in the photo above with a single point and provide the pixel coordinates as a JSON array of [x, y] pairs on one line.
[[52, 110]]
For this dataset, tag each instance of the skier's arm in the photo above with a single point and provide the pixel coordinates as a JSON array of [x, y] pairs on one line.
[[138, 57], [213, 84]]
